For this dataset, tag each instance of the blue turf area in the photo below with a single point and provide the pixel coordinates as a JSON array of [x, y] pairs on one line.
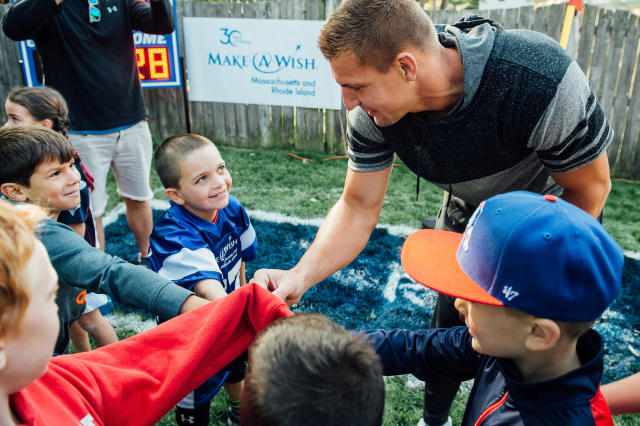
[[374, 292]]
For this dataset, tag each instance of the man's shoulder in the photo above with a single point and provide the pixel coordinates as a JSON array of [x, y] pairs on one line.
[[532, 50]]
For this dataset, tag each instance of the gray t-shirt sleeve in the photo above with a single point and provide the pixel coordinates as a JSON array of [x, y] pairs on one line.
[[573, 131], [367, 150], [79, 264]]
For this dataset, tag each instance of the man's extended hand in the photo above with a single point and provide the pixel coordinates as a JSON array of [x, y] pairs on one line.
[[287, 285]]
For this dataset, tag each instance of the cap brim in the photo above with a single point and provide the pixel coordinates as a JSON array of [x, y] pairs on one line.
[[429, 257]]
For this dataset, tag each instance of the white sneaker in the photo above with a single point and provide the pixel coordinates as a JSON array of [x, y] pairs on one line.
[[448, 423]]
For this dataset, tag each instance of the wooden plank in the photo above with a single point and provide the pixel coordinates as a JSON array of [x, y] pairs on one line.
[[275, 137], [621, 101], [332, 134], [288, 113], [510, 18], [264, 111], [208, 125], [336, 127], [612, 67], [214, 116], [497, 15], [438, 17], [224, 113], [181, 119], [250, 11], [242, 135], [587, 37], [300, 139], [601, 50], [452, 16], [314, 10], [628, 96], [632, 129], [556, 20], [197, 114], [525, 17], [163, 110], [541, 19]]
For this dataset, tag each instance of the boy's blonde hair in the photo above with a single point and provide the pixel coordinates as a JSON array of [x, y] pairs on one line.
[[16, 247], [169, 155]]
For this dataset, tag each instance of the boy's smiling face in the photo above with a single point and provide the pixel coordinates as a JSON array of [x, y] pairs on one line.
[[54, 185], [27, 354], [205, 183]]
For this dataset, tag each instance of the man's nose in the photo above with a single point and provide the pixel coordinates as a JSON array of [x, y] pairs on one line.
[[349, 98]]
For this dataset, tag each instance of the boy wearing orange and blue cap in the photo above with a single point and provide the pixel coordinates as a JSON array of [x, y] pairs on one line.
[[531, 275]]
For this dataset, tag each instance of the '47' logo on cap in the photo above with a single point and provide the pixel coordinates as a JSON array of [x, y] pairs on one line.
[[509, 292]]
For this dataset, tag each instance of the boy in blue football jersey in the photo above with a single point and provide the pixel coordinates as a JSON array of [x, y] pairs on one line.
[[201, 243]]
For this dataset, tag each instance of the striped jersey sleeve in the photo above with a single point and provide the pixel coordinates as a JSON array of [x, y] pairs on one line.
[[367, 151], [573, 131], [182, 256]]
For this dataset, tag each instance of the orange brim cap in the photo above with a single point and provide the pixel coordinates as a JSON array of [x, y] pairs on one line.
[[429, 257]]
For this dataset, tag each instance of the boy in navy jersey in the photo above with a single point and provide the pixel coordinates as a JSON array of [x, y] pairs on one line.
[[201, 243], [531, 275]]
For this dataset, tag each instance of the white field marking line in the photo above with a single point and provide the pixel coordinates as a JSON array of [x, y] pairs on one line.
[[632, 254], [398, 230]]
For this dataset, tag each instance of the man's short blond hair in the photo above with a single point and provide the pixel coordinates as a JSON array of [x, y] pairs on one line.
[[16, 247], [375, 31]]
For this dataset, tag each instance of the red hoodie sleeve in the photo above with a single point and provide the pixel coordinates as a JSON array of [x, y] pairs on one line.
[[138, 380]]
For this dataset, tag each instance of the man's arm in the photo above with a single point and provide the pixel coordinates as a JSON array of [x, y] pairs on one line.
[[588, 186], [27, 17], [623, 396], [153, 18], [342, 236]]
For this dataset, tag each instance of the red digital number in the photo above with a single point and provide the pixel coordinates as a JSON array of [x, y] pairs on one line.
[[142, 61], [153, 63]]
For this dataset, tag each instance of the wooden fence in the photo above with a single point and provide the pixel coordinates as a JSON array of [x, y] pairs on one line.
[[607, 51]]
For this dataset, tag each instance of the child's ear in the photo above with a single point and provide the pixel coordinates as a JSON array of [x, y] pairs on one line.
[[174, 195], [13, 191], [543, 334], [47, 122]]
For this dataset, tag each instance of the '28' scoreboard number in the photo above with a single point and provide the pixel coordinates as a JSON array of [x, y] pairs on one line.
[[157, 57]]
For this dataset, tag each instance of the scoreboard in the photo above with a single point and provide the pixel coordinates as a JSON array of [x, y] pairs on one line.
[[157, 57]]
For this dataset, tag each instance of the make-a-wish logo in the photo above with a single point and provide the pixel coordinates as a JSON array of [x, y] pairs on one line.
[[268, 63], [232, 37]]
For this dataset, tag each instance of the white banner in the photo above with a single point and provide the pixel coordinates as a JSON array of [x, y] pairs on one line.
[[258, 61], [503, 4]]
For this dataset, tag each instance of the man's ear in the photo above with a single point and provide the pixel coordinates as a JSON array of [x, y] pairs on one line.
[[543, 334], [174, 195], [408, 65], [13, 191], [47, 122]]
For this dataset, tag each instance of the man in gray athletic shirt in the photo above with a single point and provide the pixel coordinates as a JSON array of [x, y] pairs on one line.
[[472, 108]]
